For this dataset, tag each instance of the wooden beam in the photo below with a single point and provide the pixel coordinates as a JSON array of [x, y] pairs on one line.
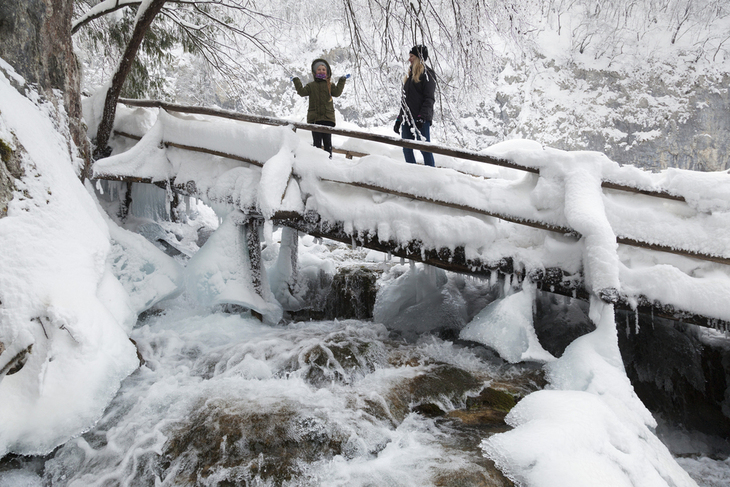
[[215, 153], [196, 149], [444, 258], [648, 192], [552, 280], [383, 139], [521, 221], [672, 250], [349, 154]]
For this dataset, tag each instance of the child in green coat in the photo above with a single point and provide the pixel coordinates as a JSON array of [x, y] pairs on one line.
[[320, 93]]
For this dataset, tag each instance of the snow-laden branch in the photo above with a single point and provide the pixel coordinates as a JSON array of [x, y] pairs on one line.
[[99, 10]]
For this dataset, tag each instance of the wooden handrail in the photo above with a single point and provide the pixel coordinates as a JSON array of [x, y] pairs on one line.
[[409, 144], [513, 219], [543, 225]]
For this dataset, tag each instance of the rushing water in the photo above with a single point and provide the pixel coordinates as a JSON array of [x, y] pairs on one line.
[[223, 400]]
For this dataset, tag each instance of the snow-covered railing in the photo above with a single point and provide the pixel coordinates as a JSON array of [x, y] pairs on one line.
[[457, 153], [405, 143]]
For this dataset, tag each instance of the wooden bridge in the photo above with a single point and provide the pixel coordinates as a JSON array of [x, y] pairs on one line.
[[309, 214]]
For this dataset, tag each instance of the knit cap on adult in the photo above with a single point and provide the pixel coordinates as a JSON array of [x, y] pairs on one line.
[[420, 52]]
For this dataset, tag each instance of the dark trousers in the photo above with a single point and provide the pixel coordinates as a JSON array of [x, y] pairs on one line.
[[319, 138], [425, 134]]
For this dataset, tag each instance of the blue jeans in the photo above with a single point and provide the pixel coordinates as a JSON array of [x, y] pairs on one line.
[[405, 133]]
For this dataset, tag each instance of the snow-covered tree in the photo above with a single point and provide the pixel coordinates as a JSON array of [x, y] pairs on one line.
[[140, 49]]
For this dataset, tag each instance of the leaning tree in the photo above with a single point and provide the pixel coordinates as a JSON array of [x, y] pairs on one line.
[[212, 29]]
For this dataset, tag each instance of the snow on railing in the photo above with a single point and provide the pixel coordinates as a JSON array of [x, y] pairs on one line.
[[405, 143]]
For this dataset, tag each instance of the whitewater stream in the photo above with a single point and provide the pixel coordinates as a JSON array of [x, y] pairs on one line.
[[224, 400]]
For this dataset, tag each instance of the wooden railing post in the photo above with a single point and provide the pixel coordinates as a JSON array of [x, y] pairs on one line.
[[290, 246], [253, 243], [250, 228]]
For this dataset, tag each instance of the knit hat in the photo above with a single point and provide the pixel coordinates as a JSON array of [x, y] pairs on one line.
[[318, 64], [420, 52]]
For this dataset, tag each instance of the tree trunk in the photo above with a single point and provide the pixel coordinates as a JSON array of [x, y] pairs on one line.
[[35, 39], [125, 65]]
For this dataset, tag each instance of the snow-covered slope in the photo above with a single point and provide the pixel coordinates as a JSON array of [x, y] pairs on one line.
[[64, 314]]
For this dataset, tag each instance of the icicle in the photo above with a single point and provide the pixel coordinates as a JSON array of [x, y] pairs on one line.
[[652, 318], [354, 243], [99, 188], [636, 325], [268, 232], [168, 199], [188, 206], [402, 260], [628, 327], [507, 285]]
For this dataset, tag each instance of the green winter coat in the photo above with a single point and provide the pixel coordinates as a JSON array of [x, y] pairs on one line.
[[321, 108]]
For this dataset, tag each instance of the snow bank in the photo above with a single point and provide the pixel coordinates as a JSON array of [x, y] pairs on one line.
[[589, 428], [58, 295]]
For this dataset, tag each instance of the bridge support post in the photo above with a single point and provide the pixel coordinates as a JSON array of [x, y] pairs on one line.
[[289, 254], [250, 229], [125, 204], [174, 203]]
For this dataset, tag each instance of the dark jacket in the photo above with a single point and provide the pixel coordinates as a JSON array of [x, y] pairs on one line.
[[419, 97], [321, 108]]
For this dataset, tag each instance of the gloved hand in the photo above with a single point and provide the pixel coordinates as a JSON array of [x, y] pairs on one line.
[[396, 127], [294, 78], [419, 123]]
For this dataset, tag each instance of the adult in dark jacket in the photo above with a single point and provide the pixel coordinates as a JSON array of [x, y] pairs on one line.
[[417, 100], [320, 93]]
